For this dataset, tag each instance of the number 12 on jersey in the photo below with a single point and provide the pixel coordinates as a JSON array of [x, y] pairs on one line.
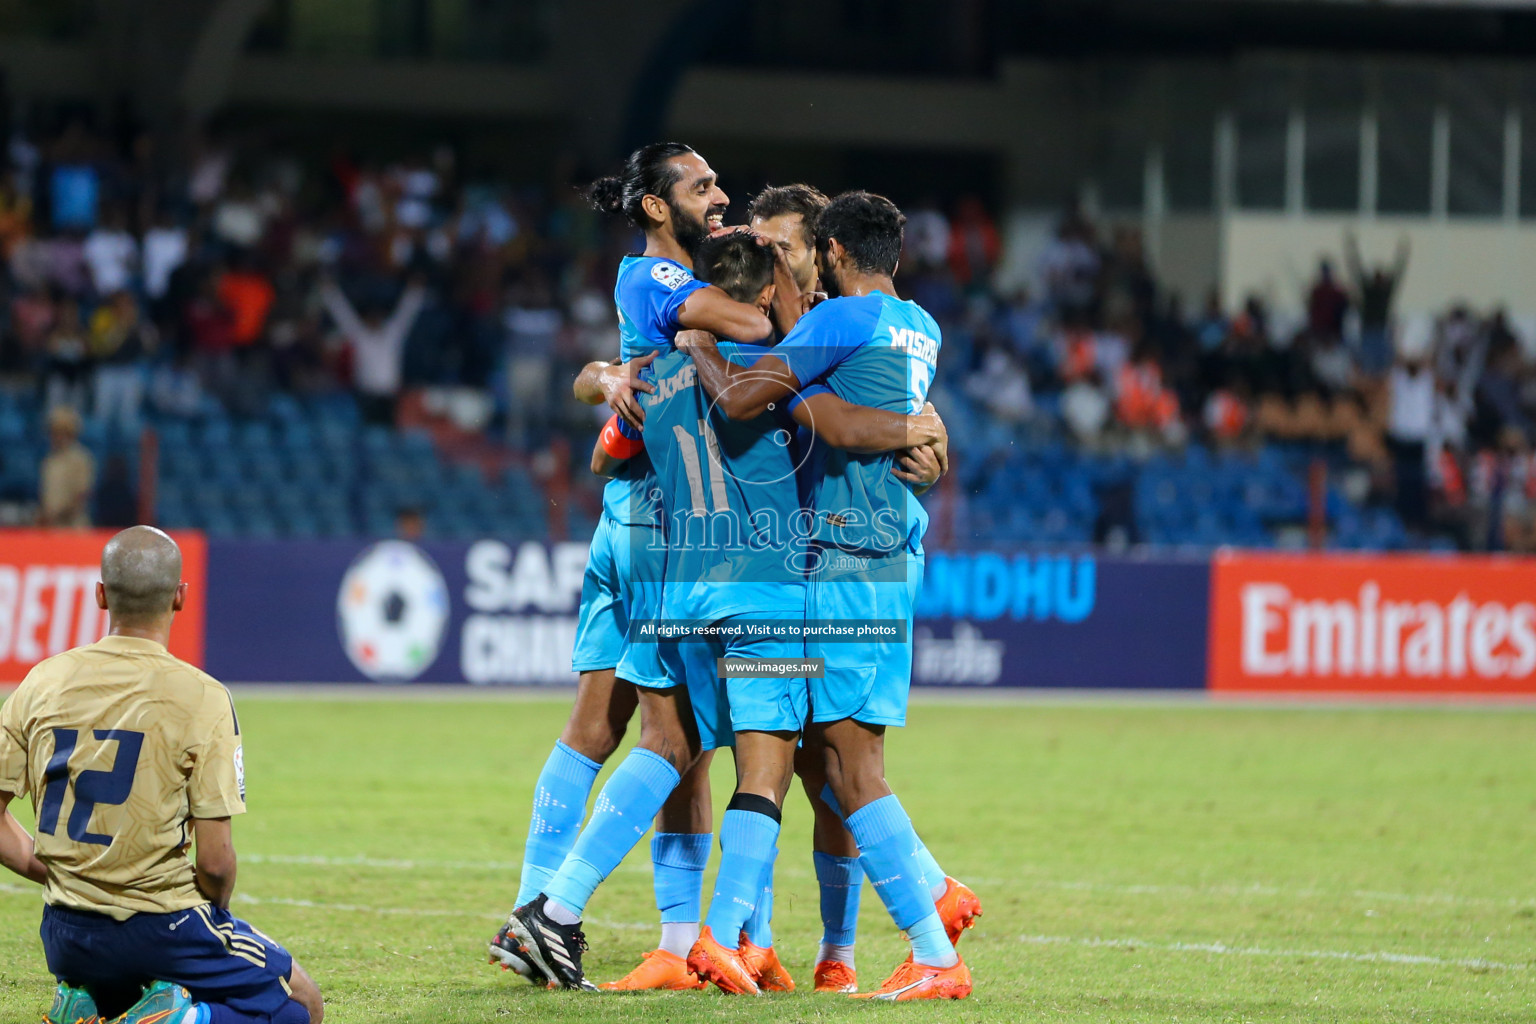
[[92, 788]]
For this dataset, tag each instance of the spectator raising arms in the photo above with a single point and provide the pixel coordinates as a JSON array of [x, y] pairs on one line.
[[377, 344]]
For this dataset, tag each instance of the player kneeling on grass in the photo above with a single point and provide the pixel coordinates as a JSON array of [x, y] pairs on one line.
[[129, 755]]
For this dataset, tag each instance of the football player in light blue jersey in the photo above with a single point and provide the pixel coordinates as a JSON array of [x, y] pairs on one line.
[[786, 215], [868, 347], [736, 546], [668, 191]]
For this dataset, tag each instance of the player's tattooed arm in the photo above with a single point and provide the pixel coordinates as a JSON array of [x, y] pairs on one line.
[[859, 428], [16, 850], [215, 860], [616, 384], [741, 392]]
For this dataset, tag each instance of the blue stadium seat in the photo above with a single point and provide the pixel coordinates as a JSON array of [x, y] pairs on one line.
[[335, 435], [215, 432], [255, 436], [284, 408]]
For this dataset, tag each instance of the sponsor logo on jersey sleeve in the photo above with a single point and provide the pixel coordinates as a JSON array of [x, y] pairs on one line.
[[670, 275]]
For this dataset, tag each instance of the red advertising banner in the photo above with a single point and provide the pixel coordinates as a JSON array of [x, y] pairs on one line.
[[1373, 624], [48, 596]]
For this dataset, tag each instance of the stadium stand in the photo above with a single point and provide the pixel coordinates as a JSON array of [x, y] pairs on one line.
[[1090, 409]]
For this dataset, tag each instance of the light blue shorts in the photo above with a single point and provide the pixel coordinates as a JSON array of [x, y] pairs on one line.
[[867, 680], [622, 584], [724, 707]]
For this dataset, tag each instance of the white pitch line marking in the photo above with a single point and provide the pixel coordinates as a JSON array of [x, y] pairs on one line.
[[790, 871], [1222, 949], [1214, 948]]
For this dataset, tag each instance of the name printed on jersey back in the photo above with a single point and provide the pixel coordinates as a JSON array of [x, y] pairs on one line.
[[915, 343], [671, 385]]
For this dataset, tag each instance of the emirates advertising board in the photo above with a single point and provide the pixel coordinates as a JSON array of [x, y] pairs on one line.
[[1361, 624]]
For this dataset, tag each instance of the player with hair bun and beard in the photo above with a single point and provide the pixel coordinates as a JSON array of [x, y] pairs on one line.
[[670, 193]]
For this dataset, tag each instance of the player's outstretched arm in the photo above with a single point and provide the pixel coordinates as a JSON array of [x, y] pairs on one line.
[[614, 447], [710, 309], [215, 860], [16, 850], [859, 428], [616, 384], [741, 392]]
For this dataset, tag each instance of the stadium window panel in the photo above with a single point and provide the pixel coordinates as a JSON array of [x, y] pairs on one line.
[[1527, 100], [1476, 100], [1263, 115], [1334, 96], [332, 27], [1405, 139], [1527, 109], [1122, 168], [1126, 98], [1189, 153]]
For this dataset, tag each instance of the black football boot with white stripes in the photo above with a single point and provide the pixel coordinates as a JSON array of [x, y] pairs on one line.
[[507, 951], [552, 948]]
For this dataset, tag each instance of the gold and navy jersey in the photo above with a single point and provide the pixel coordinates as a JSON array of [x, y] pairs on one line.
[[119, 744]]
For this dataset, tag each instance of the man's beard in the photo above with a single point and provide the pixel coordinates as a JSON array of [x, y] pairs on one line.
[[690, 232], [828, 280]]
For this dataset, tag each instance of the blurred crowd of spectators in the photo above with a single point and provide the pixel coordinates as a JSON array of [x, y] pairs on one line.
[[1433, 418], [136, 285], [138, 282]]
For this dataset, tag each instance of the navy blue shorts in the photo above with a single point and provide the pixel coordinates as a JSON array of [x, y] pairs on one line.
[[214, 955]]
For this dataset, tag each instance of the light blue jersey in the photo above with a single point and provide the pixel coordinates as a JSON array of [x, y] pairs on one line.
[[735, 531], [622, 583], [735, 549], [878, 351], [867, 560], [649, 294]]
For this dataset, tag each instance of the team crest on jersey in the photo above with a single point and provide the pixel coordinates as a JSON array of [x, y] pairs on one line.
[[670, 275]]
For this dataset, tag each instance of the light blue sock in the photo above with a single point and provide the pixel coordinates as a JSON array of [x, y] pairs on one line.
[[887, 841], [559, 804], [930, 942], [678, 860], [620, 818], [759, 927], [842, 882], [928, 869], [747, 840]]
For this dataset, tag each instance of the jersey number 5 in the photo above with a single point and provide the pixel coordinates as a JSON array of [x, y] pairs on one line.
[[91, 788], [920, 376]]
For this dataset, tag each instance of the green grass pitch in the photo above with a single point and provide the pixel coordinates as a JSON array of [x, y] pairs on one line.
[[1138, 862]]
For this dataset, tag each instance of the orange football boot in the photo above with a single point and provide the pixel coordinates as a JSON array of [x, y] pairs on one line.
[[660, 970], [836, 976], [769, 974], [958, 908], [725, 967], [917, 981]]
